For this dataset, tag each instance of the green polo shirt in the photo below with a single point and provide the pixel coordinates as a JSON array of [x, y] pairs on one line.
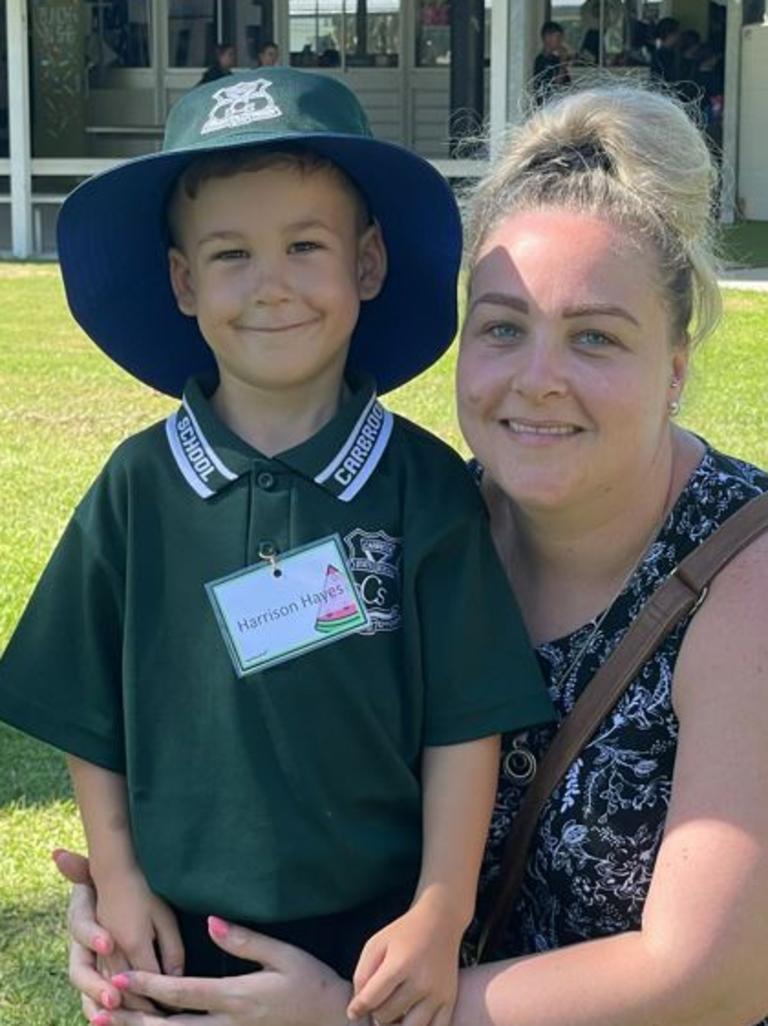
[[293, 791]]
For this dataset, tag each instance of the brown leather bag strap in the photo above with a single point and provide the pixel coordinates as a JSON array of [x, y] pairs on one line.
[[680, 594]]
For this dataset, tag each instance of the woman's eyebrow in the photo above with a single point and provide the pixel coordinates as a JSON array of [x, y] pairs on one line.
[[500, 299], [604, 309]]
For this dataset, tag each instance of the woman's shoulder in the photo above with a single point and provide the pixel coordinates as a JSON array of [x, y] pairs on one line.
[[719, 485], [736, 609]]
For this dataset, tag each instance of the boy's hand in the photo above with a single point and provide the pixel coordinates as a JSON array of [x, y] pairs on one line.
[[141, 924], [410, 968]]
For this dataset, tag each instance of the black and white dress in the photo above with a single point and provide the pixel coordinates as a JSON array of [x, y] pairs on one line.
[[592, 858]]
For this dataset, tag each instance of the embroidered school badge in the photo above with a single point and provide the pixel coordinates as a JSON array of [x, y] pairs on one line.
[[241, 104], [374, 559]]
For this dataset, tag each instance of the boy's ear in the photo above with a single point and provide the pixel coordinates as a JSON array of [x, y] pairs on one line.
[[371, 262], [181, 282]]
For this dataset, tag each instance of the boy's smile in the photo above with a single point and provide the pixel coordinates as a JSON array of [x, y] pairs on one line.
[[274, 263]]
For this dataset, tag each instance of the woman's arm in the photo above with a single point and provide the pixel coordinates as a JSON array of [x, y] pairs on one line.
[[700, 955]]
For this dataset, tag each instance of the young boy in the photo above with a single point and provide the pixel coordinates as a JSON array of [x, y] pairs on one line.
[[275, 640], [550, 68]]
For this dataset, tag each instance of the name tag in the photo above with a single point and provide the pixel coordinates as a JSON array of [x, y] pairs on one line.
[[274, 611]]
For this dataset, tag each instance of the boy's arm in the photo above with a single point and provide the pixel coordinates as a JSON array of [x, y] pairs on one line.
[[411, 966], [459, 788], [134, 916]]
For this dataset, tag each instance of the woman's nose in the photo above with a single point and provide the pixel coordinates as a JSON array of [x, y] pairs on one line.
[[539, 369]]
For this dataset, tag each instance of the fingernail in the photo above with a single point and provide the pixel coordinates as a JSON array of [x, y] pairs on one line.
[[101, 1019], [108, 999], [122, 981], [101, 944], [217, 927]]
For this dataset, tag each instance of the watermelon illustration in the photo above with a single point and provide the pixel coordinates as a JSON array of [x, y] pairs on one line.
[[339, 608]]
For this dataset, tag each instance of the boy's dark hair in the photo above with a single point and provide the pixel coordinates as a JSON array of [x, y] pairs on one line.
[[227, 163], [266, 46], [666, 28], [550, 27], [221, 48]]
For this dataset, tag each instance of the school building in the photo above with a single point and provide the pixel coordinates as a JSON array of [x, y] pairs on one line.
[[86, 83]]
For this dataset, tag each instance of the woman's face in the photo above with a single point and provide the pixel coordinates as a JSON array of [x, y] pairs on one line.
[[566, 366]]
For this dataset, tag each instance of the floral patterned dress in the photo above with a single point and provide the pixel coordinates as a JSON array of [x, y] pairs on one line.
[[593, 855]]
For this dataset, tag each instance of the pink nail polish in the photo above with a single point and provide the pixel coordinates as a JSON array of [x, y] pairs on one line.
[[217, 927], [101, 1019], [122, 981], [101, 944], [108, 999]]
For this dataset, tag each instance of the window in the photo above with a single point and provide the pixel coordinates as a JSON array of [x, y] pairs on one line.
[[191, 33], [433, 33], [611, 33], [117, 35], [196, 26], [344, 33]]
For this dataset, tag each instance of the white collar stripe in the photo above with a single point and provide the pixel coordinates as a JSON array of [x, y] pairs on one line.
[[192, 478], [352, 437], [373, 459], [203, 441]]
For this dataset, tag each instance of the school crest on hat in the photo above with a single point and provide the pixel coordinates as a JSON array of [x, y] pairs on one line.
[[241, 104]]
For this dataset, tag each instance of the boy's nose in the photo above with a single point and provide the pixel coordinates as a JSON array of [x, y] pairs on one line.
[[268, 283]]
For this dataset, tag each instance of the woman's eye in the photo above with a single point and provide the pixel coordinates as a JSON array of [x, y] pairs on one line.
[[303, 246], [594, 340], [503, 331]]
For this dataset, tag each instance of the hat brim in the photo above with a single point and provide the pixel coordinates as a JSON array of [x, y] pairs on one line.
[[113, 242]]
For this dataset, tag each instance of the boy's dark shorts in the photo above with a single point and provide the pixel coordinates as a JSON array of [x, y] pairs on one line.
[[335, 939]]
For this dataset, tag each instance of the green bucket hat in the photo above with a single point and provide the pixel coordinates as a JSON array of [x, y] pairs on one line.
[[113, 236]]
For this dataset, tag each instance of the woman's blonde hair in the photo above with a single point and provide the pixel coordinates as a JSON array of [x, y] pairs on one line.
[[631, 156]]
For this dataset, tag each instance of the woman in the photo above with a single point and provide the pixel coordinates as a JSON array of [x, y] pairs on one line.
[[646, 893]]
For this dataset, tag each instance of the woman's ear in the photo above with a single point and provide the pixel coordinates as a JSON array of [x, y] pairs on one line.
[[181, 282], [371, 262]]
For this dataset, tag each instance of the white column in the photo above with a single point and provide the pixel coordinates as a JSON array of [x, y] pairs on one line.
[[735, 19], [515, 41], [19, 125]]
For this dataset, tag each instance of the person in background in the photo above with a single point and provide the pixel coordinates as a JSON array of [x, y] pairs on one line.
[[550, 69], [269, 55], [223, 63], [665, 59]]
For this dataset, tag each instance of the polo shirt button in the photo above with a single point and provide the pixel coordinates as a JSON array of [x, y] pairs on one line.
[[265, 480]]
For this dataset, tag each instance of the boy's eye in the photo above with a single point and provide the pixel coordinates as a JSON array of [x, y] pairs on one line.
[[230, 254], [304, 246]]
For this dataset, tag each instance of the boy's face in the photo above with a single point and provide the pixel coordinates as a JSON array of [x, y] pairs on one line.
[[553, 41], [269, 56], [274, 264]]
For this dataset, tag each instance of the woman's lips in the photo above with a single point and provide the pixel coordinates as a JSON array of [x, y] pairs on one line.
[[541, 429]]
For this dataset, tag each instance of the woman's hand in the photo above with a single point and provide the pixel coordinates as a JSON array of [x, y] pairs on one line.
[[292, 989]]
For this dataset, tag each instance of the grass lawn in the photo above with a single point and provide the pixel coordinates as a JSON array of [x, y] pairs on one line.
[[63, 407], [746, 243]]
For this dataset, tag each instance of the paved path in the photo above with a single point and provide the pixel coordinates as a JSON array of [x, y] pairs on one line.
[[754, 278]]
